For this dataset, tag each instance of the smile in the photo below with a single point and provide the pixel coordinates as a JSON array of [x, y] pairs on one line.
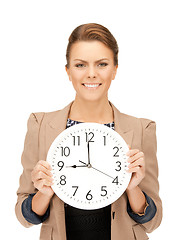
[[91, 86]]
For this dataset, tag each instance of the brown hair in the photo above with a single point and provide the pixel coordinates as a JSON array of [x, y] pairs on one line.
[[89, 32]]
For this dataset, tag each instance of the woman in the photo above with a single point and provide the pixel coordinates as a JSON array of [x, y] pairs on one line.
[[92, 62]]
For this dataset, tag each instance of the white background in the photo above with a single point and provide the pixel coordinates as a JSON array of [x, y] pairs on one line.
[[33, 40]]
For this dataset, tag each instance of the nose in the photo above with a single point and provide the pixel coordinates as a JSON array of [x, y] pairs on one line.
[[91, 72]]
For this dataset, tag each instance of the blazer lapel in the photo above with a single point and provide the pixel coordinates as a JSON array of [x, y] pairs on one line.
[[121, 125], [56, 125]]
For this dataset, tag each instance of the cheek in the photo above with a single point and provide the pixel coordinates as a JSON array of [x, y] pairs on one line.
[[77, 76], [106, 76]]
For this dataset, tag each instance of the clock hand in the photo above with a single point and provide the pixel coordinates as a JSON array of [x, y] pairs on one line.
[[83, 163], [88, 153], [90, 166], [75, 166]]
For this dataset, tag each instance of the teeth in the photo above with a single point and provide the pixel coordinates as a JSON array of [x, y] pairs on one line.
[[91, 85]]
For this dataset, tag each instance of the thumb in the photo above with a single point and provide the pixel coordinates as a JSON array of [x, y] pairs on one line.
[[129, 146]]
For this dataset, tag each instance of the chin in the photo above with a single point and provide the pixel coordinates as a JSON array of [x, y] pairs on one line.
[[92, 99]]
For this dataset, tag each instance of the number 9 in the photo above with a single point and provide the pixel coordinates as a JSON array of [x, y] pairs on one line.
[[60, 164]]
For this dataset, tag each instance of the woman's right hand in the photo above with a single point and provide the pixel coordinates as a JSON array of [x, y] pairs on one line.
[[42, 178]]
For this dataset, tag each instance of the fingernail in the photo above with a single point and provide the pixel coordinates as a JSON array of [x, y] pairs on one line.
[[128, 153]]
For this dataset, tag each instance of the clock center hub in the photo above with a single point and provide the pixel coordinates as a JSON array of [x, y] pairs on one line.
[[89, 165]]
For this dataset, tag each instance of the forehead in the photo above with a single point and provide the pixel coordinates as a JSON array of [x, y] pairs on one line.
[[90, 50]]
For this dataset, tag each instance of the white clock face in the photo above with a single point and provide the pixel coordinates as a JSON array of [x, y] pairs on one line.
[[89, 165]]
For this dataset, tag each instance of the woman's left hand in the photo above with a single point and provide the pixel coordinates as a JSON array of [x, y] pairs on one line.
[[136, 167]]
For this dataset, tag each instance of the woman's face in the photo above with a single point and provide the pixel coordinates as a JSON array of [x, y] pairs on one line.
[[91, 69]]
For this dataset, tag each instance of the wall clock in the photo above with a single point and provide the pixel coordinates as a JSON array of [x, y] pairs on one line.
[[89, 165]]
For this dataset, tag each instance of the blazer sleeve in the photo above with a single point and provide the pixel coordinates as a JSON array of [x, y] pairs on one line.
[[150, 184], [29, 158]]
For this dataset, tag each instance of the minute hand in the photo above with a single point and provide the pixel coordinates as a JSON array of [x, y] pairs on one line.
[[97, 170], [88, 154]]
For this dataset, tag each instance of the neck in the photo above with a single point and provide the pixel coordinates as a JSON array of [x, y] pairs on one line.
[[99, 111]]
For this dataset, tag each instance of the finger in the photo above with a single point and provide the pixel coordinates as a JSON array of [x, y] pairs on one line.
[[45, 164], [132, 152], [47, 183], [139, 162], [42, 163], [41, 183], [41, 175], [44, 170], [135, 157], [41, 166], [133, 170]]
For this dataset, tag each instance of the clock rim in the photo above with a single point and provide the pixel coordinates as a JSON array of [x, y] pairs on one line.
[[68, 131]]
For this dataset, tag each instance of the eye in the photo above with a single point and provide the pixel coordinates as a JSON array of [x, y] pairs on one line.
[[103, 64], [79, 65]]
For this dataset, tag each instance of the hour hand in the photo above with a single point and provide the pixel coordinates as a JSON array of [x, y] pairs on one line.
[[85, 165]]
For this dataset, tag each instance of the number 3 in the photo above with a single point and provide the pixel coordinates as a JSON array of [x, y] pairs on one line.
[[119, 166]]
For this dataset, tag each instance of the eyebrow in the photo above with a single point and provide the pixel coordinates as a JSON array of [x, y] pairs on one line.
[[95, 61]]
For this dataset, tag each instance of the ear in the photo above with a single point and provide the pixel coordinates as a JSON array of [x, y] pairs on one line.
[[114, 72], [68, 72]]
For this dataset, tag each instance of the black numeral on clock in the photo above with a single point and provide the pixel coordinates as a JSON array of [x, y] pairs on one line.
[[65, 151], [89, 138], [89, 196], [115, 180], [76, 140], [104, 140], [118, 166], [117, 149], [60, 164], [63, 180], [104, 191], [75, 189]]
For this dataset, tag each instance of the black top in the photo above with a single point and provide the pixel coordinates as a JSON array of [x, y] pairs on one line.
[[87, 224]]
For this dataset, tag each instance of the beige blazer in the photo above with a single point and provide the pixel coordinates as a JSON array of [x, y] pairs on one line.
[[140, 133]]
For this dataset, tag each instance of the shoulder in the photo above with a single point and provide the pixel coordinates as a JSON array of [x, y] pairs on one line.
[[129, 121], [38, 117], [143, 128], [48, 116], [135, 122]]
